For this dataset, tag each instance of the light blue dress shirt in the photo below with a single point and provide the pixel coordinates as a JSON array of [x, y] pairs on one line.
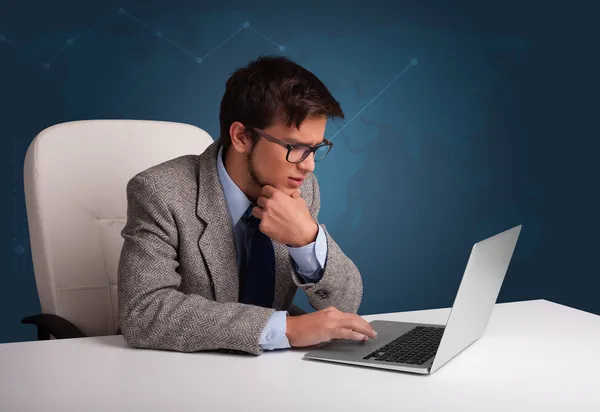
[[308, 259]]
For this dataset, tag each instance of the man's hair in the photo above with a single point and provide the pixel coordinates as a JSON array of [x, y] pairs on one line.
[[273, 88]]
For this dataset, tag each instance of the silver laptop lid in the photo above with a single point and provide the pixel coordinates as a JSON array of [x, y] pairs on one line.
[[477, 294]]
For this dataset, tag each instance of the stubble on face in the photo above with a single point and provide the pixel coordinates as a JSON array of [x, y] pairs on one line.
[[255, 181]]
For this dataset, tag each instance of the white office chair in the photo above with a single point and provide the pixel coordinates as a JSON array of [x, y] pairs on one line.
[[75, 178]]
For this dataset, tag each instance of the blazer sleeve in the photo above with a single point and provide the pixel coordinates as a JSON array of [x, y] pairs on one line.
[[340, 284], [153, 313]]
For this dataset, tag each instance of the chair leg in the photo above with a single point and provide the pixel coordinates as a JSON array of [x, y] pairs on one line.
[[43, 333], [53, 325]]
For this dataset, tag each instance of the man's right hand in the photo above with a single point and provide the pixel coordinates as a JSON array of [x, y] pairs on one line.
[[325, 325]]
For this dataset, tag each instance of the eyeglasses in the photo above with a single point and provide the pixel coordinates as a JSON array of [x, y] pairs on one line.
[[298, 152]]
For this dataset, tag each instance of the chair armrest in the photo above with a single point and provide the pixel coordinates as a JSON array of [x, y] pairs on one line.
[[295, 311], [48, 324]]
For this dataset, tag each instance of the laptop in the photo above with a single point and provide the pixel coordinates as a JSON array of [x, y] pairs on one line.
[[424, 348]]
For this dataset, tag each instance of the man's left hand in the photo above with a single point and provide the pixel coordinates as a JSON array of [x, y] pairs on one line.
[[285, 219]]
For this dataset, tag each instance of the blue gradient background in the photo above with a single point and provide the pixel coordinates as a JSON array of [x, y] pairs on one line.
[[495, 126]]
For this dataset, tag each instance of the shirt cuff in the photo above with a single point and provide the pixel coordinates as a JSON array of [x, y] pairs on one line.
[[310, 259], [273, 335]]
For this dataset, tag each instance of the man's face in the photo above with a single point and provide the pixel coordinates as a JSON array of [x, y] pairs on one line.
[[267, 162]]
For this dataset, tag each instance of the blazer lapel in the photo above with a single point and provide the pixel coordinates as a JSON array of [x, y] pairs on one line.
[[216, 242]]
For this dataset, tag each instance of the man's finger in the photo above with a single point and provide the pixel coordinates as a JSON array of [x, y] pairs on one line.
[[261, 201], [360, 325], [258, 212], [268, 191], [297, 194], [342, 333]]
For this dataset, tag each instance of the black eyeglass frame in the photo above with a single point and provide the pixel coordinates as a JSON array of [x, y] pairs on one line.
[[290, 147]]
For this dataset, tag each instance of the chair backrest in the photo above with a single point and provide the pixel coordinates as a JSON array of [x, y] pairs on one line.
[[75, 177]]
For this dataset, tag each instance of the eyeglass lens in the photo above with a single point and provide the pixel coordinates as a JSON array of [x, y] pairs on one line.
[[299, 153]]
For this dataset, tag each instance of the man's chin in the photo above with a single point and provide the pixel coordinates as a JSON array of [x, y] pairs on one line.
[[285, 189], [290, 190]]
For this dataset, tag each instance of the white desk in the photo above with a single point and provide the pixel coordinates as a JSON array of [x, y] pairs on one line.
[[534, 356]]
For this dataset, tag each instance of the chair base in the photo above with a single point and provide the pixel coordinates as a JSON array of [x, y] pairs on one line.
[[57, 326]]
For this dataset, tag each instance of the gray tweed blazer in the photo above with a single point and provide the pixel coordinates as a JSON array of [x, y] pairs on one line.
[[178, 275]]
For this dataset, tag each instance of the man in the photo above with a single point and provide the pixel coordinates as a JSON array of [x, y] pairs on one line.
[[217, 244]]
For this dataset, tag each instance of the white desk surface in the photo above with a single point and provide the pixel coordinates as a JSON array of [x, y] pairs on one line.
[[534, 356]]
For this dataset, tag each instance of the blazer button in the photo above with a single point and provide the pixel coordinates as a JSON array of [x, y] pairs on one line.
[[322, 294]]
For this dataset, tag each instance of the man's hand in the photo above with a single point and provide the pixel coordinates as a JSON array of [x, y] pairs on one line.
[[285, 219], [325, 325]]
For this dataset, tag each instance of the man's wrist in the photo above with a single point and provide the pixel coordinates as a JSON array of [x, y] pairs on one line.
[[289, 328], [309, 237]]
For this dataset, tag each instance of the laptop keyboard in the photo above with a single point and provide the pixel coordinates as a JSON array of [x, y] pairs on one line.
[[415, 347]]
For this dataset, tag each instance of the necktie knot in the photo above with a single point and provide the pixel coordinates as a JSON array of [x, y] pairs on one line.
[[249, 218]]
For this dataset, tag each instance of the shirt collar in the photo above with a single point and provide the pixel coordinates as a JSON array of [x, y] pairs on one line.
[[237, 201]]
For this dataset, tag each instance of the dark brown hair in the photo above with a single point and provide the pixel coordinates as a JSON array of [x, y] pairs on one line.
[[274, 88]]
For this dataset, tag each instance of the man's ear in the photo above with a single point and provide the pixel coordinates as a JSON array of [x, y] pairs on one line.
[[241, 141]]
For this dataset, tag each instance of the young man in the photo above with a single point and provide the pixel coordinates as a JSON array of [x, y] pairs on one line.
[[217, 244]]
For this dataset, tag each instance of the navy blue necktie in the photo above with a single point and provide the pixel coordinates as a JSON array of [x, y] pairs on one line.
[[257, 280]]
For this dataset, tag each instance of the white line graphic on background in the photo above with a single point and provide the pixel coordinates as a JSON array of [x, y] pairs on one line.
[[413, 62], [198, 58]]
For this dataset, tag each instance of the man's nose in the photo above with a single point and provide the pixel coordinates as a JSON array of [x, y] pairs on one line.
[[308, 164]]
